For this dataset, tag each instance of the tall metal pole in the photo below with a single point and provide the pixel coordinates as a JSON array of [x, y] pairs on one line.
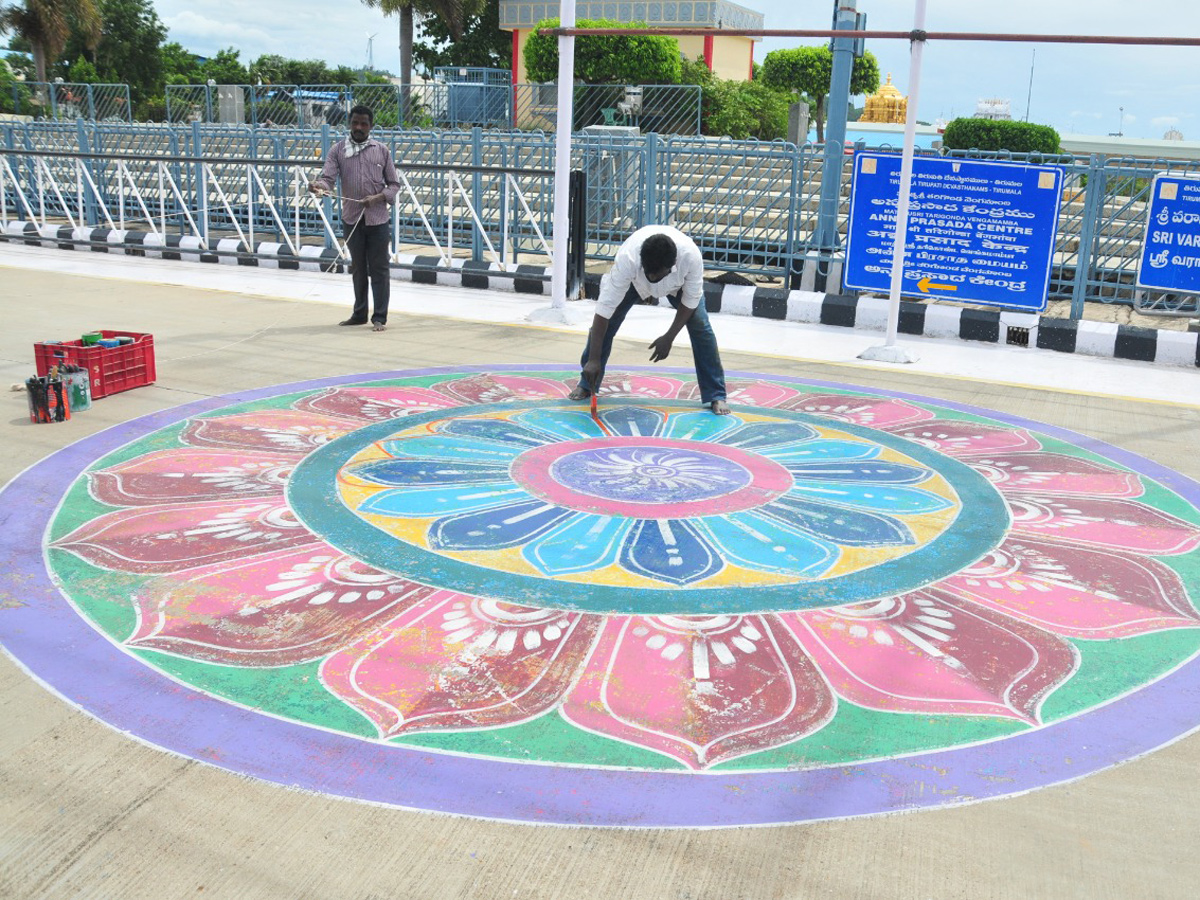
[[558, 312], [1029, 96], [890, 351], [562, 157], [845, 17]]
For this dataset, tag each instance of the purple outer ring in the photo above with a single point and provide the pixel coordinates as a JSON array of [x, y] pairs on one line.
[[60, 648]]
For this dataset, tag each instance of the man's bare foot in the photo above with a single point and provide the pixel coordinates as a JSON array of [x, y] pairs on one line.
[[378, 326], [719, 408], [579, 393]]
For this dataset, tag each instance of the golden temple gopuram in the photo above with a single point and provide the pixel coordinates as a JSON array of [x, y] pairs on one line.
[[886, 105]]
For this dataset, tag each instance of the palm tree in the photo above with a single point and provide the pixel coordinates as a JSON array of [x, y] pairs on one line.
[[453, 13], [46, 24]]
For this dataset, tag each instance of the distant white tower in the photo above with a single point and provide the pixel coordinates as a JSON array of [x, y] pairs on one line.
[[993, 108]]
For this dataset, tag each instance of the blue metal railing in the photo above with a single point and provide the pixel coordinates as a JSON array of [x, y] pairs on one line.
[[751, 206]]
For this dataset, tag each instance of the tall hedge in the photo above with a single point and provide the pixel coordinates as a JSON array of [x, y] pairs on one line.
[[999, 134], [605, 59]]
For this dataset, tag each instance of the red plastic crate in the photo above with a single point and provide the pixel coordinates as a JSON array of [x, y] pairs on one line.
[[113, 369]]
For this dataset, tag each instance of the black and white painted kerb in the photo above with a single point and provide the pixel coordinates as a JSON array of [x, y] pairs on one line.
[[1165, 347]]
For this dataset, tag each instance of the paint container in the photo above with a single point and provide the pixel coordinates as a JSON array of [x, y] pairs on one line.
[[47, 400], [78, 384], [92, 338], [123, 339], [109, 343]]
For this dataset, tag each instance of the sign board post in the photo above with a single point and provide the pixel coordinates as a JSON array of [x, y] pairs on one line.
[[1171, 251], [978, 231]]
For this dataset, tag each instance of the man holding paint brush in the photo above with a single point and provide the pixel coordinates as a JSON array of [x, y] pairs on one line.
[[369, 187], [656, 261]]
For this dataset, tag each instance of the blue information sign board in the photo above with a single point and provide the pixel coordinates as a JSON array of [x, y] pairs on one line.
[[978, 232], [1171, 250]]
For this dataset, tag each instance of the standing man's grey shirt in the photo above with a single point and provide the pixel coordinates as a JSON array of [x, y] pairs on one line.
[[364, 172]]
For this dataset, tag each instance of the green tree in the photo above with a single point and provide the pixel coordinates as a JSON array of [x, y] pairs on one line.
[[14, 96], [225, 68], [747, 109], [482, 44], [306, 71], [273, 69], [269, 69], [606, 59], [46, 25], [130, 47], [809, 70], [351, 75], [82, 72], [180, 66], [988, 134], [737, 109]]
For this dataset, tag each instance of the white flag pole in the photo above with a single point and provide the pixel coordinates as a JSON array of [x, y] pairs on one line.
[[890, 351]]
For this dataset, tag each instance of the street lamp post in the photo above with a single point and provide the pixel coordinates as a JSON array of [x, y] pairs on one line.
[[845, 17]]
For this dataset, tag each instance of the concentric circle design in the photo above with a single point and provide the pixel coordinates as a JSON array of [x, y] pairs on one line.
[[834, 602], [620, 514]]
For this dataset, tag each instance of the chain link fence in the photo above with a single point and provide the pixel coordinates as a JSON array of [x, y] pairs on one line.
[[662, 109], [67, 101], [658, 108], [413, 106]]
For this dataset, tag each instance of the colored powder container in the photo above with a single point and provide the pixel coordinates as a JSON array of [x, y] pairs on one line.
[[78, 385]]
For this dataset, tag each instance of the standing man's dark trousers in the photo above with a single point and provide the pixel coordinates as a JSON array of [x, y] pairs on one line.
[[368, 245]]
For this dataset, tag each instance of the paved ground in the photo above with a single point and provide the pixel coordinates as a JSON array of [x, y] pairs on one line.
[[88, 812]]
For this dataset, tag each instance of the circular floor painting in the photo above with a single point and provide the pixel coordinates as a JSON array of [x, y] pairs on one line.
[[456, 590]]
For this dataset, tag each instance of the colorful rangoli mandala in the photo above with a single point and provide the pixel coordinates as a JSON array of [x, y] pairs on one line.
[[455, 590]]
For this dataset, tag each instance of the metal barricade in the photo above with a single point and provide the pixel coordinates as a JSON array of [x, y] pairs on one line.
[[204, 192], [752, 206]]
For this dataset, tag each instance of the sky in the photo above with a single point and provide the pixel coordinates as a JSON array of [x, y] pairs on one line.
[[1139, 91]]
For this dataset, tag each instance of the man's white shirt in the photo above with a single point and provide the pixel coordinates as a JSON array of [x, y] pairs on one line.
[[686, 277]]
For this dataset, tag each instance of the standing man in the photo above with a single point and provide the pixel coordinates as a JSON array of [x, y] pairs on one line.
[[369, 187], [656, 261]]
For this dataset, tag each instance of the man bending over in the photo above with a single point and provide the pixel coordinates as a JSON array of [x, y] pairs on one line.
[[656, 261]]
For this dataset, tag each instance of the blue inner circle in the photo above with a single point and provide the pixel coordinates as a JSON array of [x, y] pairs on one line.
[[649, 474]]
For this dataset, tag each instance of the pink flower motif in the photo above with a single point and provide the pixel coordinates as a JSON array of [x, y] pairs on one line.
[[374, 404], [960, 439], [233, 578], [171, 537], [487, 388], [1076, 591], [1054, 473], [456, 662], [276, 430], [635, 384], [274, 610], [874, 412], [169, 476], [744, 392], [701, 689], [932, 652], [529, 387]]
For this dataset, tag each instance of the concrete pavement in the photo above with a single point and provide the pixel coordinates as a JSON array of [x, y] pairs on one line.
[[86, 811]]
